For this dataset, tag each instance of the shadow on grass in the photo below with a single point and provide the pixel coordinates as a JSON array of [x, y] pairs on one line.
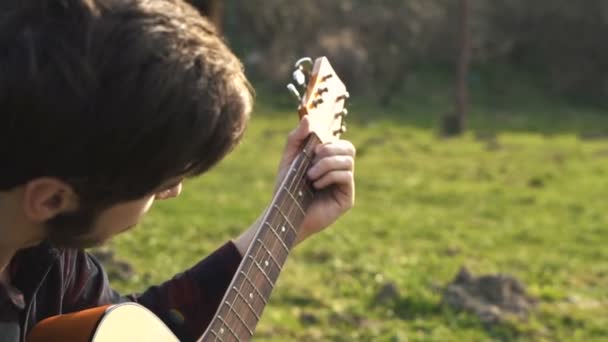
[[302, 301], [430, 312], [410, 308]]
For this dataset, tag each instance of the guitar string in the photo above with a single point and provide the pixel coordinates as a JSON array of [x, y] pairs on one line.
[[300, 168], [298, 178], [266, 250], [304, 163]]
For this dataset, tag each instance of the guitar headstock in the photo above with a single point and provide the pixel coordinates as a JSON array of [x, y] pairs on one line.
[[324, 97]]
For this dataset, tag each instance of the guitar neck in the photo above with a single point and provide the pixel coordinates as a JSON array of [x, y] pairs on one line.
[[250, 289]]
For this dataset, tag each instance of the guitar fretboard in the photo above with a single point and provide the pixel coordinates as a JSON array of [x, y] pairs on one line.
[[250, 289]]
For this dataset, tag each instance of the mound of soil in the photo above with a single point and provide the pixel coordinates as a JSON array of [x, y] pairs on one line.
[[490, 297]]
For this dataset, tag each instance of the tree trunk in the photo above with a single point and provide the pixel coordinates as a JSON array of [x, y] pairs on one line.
[[212, 9], [455, 123]]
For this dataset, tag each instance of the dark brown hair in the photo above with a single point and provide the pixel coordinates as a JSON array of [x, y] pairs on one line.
[[114, 96]]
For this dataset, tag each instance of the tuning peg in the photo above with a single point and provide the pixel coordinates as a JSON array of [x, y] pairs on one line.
[[326, 77], [317, 102], [299, 77], [293, 91], [344, 96], [304, 64], [341, 130], [341, 114]]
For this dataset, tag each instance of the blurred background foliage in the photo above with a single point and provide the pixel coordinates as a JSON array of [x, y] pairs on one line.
[[375, 45]]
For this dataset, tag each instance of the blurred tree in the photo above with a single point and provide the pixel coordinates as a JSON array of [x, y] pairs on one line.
[[214, 9], [454, 123], [377, 46], [371, 44]]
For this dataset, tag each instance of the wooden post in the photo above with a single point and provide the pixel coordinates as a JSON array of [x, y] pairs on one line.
[[464, 60], [456, 122]]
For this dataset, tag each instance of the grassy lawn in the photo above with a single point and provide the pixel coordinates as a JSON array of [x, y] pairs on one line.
[[522, 193]]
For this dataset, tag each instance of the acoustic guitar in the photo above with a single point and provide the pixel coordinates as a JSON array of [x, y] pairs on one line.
[[248, 293]]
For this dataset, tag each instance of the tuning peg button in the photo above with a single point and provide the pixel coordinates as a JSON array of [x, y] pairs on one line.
[[293, 91], [343, 113], [304, 64], [299, 77], [344, 96], [341, 130]]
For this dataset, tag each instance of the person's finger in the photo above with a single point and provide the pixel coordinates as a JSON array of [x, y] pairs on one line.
[[328, 164], [339, 177], [340, 147]]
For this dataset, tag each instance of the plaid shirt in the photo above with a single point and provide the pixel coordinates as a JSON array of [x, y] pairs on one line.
[[48, 281]]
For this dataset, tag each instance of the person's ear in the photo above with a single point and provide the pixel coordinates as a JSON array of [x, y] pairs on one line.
[[46, 197]]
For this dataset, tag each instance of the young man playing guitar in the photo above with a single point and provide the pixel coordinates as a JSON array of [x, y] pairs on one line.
[[105, 107]]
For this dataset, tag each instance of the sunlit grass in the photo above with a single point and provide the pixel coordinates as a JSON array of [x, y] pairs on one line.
[[530, 203]]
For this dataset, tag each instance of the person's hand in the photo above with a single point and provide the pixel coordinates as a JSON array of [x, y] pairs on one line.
[[331, 173]]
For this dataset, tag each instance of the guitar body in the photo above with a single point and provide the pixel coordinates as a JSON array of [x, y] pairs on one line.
[[110, 323]]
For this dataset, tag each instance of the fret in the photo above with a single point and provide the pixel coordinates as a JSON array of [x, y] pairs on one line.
[[308, 148], [231, 308], [254, 298], [227, 326], [286, 219], [240, 295], [254, 287], [227, 303], [278, 237], [303, 187], [267, 261], [301, 165], [248, 290], [270, 282], [300, 174], [270, 254], [309, 190], [308, 194], [303, 158], [295, 200], [217, 337]]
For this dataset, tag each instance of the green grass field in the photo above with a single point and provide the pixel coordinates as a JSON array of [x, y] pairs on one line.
[[522, 193]]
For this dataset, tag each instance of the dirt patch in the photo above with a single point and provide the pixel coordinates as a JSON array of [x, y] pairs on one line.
[[387, 293], [594, 135], [491, 297]]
